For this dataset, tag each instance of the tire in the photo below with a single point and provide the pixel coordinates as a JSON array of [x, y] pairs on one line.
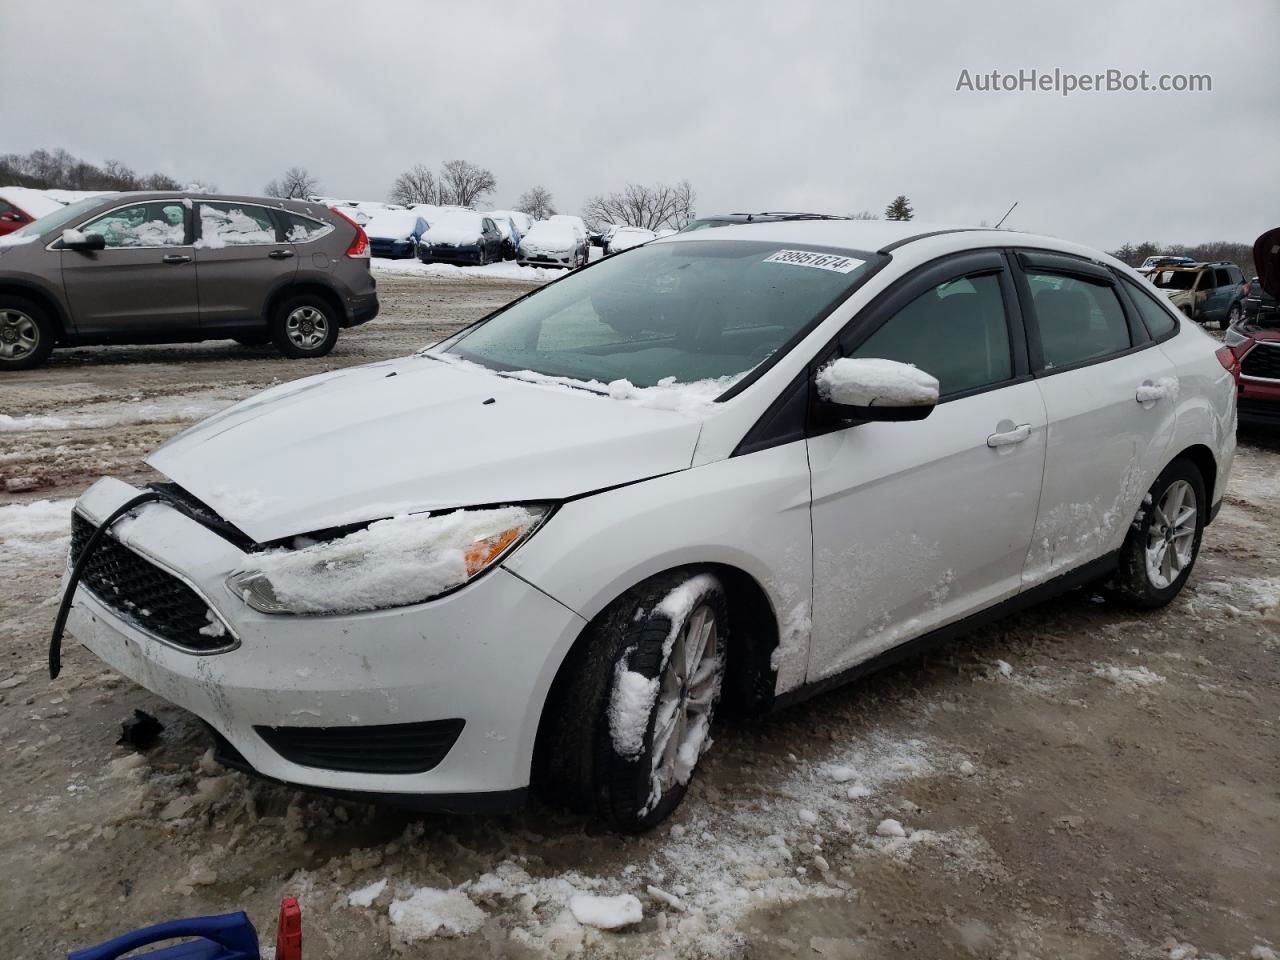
[[304, 325], [1147, 580], [484, 256], [622, 699], [253, 340], [26, 334]]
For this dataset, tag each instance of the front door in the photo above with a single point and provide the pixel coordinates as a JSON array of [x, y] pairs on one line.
[[241, 258], [919, 524], [144, 283], [1110, 395]]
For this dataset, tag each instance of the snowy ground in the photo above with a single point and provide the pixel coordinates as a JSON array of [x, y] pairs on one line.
[[1074, 782]]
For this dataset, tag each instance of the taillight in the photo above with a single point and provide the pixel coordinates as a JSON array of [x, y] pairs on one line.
[[1230, 357], [359, 248]]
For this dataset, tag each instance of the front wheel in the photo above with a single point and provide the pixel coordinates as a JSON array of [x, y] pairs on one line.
[[1164, 539], [635, 715], [304, 326], [26, 334]]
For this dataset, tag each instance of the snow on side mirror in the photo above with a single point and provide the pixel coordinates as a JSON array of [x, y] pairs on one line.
[[873, 389]]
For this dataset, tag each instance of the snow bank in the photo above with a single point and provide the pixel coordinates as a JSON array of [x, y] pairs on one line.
[[866, 382], [38, 518], [390, 563], [365, 896], [506, 270], [430, 912], [118, 414]]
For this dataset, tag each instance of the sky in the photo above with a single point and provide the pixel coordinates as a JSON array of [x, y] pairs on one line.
[[833, 107]]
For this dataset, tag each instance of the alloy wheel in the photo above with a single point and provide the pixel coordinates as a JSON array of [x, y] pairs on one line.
[[1171, 535], [306, 327], [687, 696], [19, 335]]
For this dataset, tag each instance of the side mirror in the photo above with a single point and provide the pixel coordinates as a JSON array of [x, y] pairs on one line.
[[83, 242], [873, 389]]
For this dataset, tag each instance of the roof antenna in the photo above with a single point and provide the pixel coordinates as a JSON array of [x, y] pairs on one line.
[[1006, 216]]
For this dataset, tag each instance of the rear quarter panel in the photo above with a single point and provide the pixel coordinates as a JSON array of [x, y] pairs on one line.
[[1206, 404]]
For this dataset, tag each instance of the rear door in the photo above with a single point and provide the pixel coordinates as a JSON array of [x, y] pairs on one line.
[[241, 259], [144, 283], [1109, 393], [919, 524]]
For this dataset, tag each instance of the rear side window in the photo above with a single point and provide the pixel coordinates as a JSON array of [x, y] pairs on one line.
[[1078, 320], [1158, 320], [161, 223], [234, 224], [300, 229], [1221, 278], [957, 331]]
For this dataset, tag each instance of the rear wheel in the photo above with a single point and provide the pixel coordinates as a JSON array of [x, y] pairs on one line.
[[305, 325], [1164, 539], [26, 334], [633, 718]]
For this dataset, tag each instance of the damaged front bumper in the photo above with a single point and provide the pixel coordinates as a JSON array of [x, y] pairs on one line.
[[441, 699]]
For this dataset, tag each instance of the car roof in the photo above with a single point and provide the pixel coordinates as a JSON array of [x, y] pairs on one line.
[[847, 234], [142, 196]]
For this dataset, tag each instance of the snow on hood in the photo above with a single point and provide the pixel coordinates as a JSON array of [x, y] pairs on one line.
[[393, 225], [454, 226], [411, 435], [35, 203], [546, 235]]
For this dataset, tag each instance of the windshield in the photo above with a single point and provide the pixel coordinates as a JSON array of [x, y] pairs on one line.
[[59, 218], [1174, 279], [668, 313]]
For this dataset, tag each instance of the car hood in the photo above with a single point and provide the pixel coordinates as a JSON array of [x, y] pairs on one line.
[[411, 435]]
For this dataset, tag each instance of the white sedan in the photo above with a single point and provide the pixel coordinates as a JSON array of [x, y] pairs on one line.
[[735, 466], [624, 238]]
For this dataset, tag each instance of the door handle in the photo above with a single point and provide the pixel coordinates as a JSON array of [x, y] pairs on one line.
[[1009, 437], [176, 258], [1150, 392], [280, 254]]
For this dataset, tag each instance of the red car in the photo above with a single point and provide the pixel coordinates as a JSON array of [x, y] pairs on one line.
[[20, 205], [1255, 341]]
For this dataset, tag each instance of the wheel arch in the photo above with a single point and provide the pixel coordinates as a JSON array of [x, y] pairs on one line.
[[294, 289], [46, 301], [1204, 461]]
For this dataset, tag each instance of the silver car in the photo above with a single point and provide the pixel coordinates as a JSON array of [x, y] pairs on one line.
[[179, 267]]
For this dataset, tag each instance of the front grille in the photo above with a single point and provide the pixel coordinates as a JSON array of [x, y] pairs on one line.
[[143, 594], [1262, 361], [387, 748]]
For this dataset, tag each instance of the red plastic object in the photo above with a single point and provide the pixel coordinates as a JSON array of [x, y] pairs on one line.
[[289, 931]]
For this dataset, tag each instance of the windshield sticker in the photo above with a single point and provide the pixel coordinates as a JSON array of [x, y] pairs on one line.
[[823, 261]]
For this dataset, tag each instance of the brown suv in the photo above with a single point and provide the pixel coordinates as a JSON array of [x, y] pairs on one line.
[[177, 267]]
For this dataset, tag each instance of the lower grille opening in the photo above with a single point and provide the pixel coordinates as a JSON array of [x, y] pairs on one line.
[[1262, 361], [145, 595], [386, 748]]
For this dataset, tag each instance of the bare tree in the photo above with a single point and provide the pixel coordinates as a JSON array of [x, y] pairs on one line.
[[537, 203], [415, 185], [44, 169], [863, 215], [656, 207], [296, 184], [464, 183]]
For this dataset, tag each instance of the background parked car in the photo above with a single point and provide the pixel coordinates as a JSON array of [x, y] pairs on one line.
[[521, 220], [510, 235], [21, 205], [394, 235], [175, 267], [624, 238], [1205, 292], [729, 219], [461, 237], [1151, 263], [554, 243]]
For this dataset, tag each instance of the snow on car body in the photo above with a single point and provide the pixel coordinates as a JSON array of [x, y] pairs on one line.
[[553, 243], [724, 502]]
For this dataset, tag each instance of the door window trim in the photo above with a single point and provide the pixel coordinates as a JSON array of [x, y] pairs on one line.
[[1037, 260], [188, 236]]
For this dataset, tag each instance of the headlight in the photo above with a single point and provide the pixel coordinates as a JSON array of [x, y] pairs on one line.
[[390, 563], [1233, 337]]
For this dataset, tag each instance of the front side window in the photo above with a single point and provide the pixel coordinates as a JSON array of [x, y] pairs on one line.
[[160, 223], [235, 224], [1221, 278], [670, 312], [1157, 319], [1078, 320], [957, 332], [300, 229]]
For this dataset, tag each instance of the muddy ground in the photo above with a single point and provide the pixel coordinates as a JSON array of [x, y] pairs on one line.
[[1076, 782]]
